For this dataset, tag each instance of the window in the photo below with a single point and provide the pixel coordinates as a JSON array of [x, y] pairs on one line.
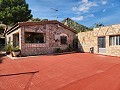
[[115, 40], [63, 39], [31, 37], [102, 42]]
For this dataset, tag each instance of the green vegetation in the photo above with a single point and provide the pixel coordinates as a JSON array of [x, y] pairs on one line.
[[8, 48], [74, 25], [15, 49], [45, 20], [58, 50], [69, 48], [13, 11], [2, 28], [97, 25], [36, 19]]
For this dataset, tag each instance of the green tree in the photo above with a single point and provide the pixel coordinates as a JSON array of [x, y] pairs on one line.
[[97, 25], [36, 19], [13, 11], [2, 28]]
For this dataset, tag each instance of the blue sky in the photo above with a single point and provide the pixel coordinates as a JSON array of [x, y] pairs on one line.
[[86, 12]]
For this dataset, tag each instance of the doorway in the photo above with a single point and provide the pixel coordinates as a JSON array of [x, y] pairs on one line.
[[16, 39], [102, 45]]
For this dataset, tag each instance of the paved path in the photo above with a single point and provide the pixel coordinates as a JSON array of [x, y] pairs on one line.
[[78, 71]]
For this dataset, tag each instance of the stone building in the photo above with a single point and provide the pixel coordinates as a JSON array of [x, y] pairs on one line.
[[104, 40], [43, 37]]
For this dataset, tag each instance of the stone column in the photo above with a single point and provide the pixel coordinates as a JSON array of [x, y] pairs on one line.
[[47, 36], [96, 45], [107, 45], [21, 36]]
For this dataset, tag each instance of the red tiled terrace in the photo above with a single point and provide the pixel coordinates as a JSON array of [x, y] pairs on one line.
[[78, 71]]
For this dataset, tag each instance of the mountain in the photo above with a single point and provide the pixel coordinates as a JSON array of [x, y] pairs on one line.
[[74, 25]]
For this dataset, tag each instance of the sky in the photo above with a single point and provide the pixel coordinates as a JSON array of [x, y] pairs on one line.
[[85, 12]]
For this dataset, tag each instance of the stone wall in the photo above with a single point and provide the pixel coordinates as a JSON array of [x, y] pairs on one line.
[[86, 41], [50, 44], [90, 39]]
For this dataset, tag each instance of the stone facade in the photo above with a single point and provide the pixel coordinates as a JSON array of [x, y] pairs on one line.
[[51, 29], [90, 39], [86, 41]]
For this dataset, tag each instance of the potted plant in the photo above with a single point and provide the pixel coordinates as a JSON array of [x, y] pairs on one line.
[[15, 51], [8, 48]]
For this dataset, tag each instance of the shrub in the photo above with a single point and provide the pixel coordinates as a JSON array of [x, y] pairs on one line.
[[75, 43], [2, 28], [58, 50], [45, 20], [8, 48], [15, 49], [69, 48]]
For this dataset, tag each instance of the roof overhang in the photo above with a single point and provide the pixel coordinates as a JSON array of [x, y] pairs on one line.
[[20, 24]]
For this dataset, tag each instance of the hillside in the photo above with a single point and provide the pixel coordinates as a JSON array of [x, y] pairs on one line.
[[72, 24]]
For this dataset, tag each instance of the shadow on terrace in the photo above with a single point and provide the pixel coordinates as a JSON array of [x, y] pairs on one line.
[[1, 57]]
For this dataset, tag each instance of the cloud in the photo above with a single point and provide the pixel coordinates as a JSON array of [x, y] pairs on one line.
[[91, 15], [104, 10], [78, 18], [74, 8], [85, 5], [104, 2], [84, 1], [78, 13], [88, 16]]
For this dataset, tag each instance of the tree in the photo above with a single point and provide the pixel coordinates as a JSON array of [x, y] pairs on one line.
[[2, 28], [97, 25], [36, 19], [13, 11], [45, 20]]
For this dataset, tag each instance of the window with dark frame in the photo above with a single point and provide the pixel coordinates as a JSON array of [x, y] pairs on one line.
[[63, 39], [114, 40], [31, 37]]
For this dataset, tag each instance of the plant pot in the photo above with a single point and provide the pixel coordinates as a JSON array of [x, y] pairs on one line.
[[7, 53], [15, 53]]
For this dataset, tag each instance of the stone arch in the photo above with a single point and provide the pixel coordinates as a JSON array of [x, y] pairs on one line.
[[63, 34]]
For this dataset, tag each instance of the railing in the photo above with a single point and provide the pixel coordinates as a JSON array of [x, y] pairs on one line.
[[2, 47]]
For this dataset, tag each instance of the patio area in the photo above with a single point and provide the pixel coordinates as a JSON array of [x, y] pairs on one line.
[[77, 71]]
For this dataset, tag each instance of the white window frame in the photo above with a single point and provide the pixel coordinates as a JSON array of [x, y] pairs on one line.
[[114, 40]]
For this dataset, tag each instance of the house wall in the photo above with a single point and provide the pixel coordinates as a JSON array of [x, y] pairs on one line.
[[50, 44], [90, 39], [9, 37], [86, 41]]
